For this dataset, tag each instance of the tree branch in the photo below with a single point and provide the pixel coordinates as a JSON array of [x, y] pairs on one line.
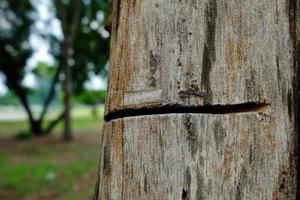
[[9, 70], [19, 91], [54, 123], [50, 94]]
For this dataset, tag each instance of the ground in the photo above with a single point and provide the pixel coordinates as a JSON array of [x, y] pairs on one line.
[[48, 168]]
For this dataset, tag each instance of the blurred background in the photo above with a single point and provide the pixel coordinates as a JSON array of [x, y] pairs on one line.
[[53, 69]]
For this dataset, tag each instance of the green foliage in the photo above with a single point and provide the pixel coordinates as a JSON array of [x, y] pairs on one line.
[[91, 97], [43, 76], [9, 99], [16, 22], [44, 72], [90, 50], [87, 51]]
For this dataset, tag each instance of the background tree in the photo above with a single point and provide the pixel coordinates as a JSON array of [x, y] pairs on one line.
[[82, 21], [16, 25], [82, 49], [14, 51]]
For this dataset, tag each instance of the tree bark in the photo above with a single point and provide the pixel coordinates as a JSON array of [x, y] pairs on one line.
[[202, 101]]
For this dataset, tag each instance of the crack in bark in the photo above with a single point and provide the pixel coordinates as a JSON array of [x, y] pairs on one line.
[[182, 109], [294, 19]]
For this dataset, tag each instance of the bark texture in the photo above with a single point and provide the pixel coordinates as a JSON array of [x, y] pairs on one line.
[[199, 52], [202, 100], [196, 156]]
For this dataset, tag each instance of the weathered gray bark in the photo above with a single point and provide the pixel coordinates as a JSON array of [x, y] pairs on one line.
[[202, 100]]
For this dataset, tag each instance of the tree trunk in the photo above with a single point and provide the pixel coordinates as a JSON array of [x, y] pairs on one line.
[[67, 135], [35, 125], [202, 101], [36, 128], [70, 30]]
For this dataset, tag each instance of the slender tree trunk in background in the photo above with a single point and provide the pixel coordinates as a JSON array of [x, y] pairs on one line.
[[70, 30], [67, 135], [202, 101]]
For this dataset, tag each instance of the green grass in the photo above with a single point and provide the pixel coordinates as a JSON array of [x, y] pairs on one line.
[[12, 128], [27, 178], [43, 174], [81, 123], [47, 168]]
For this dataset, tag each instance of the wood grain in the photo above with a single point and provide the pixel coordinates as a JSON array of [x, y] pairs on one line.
[[200, 156], [196, 52]]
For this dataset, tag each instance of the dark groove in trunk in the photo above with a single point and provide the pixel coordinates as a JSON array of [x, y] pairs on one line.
[[177, 109], [209, 52], [293, 12], [117, 8]]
